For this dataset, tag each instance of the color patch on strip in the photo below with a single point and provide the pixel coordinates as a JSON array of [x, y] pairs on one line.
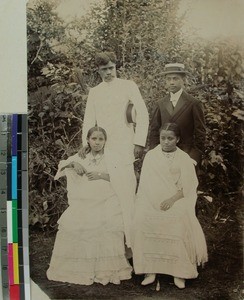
[[14, 292], [16, 263], [10, 265], [14, 178], [15, 221], [14, 134], [9, 222]]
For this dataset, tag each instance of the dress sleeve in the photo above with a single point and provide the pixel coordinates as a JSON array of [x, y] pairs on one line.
[[89, 116], [142, 118], [64, 163]]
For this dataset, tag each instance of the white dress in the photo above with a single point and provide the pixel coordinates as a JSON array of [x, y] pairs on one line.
[[167, 242], [89, 245]]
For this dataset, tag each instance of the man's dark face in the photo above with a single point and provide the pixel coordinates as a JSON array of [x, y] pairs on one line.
[[174, 82], [107, 72]]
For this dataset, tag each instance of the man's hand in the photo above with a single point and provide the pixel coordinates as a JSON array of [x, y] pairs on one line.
[[83, 152], [138, 150]]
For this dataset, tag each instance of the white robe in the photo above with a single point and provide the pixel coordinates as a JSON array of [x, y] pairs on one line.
[[106, 105]]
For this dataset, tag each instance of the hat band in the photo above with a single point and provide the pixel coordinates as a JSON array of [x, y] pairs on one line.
[[176, 69]]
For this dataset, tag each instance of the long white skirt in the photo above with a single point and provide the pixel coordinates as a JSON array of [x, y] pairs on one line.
[[168, 242], [89, 245]]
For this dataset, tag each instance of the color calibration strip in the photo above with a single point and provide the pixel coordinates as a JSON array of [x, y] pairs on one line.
[[14, 275]]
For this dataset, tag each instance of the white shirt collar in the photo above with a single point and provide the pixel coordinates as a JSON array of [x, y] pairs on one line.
[[174, 97], [110, 83]]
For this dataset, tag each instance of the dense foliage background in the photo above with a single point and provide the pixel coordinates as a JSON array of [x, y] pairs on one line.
[[145, 35]]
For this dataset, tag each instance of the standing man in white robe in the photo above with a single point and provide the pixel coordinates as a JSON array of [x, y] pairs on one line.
[[106, 106]]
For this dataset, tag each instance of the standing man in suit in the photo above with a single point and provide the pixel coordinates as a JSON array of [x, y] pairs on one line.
[[181, 108]]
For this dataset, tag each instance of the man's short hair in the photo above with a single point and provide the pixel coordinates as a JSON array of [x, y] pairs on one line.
[[103, 58]]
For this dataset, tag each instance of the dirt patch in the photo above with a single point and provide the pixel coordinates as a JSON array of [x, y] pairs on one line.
[[220, 279]]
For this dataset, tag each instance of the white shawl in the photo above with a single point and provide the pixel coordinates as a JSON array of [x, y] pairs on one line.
[[156, 182], [157, 185], [120, 184]]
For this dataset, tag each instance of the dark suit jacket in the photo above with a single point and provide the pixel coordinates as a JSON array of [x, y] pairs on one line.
[[188, 115]]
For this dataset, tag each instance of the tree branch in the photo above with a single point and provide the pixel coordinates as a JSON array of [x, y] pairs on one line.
[[37, 53]]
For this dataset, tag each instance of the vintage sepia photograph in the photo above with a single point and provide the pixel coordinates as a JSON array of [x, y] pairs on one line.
[[135, 113]]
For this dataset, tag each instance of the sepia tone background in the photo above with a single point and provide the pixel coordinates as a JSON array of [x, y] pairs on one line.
[[207, 36]]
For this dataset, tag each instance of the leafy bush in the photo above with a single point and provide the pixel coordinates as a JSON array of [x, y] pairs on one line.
[[54, 133], [60, 78]]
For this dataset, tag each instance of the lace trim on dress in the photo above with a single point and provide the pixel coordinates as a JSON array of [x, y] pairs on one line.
[[169, 156], [95, 160]]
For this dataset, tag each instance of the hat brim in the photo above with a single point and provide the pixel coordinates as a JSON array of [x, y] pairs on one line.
[[175, 72]]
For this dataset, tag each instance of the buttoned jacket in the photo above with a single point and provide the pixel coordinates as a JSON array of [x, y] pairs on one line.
[[188, 115]]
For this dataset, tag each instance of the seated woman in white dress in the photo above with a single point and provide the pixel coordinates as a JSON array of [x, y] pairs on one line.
[[89, 245], [168, 238]]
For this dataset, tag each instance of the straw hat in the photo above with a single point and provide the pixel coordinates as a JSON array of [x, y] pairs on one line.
[[174, 68]]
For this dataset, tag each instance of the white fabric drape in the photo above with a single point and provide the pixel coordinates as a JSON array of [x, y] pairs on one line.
[[176, 230], [121, 183]]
